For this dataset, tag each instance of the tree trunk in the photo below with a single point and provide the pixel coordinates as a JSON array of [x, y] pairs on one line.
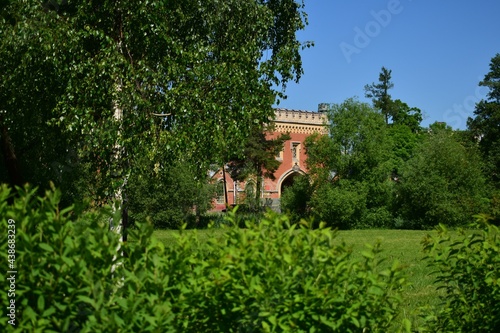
[[225, 186], [118, 226], [258, 189], [116, 166], [10, 159]]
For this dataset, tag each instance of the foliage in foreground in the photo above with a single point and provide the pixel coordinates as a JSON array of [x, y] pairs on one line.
[[468, 269], [268, 277]]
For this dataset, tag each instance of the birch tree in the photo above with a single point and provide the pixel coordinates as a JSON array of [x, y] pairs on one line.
[[190, 77]]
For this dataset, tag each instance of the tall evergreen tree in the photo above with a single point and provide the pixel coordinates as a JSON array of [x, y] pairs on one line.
[[379, 93], [258, 159], [485, 126]]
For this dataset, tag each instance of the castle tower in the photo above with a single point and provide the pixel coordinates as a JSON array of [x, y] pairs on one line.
[[299, 124]]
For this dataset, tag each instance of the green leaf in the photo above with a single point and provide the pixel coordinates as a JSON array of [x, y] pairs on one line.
[[41, 303], [407, 325], [46, 247], [368, 254], [49, 312], [87, 300]]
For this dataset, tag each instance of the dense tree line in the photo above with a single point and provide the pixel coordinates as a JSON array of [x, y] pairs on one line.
[[379, 168]]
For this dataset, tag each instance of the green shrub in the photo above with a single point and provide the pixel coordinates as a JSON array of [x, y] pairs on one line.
[[295, 199], [495, 206], [377, 217], [468, 269], [269, 277], [442, 183], [167, 195], [341, 206], [63, 269]]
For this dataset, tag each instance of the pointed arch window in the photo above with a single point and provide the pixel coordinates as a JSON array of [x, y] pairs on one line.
[[295, 151], [219, 190]]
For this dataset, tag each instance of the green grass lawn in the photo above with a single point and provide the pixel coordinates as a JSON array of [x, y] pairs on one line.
[[401, 245], [405, 247]]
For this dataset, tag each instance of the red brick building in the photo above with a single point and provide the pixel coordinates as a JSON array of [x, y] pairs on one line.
[[299, 124]]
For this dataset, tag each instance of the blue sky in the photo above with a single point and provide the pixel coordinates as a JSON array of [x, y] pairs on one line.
[[438, 52]]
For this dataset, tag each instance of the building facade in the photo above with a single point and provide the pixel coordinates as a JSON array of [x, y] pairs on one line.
[[299, 125]]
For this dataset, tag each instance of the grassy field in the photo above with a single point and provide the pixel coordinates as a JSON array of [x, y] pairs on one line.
[[401, 245], [405, 247]]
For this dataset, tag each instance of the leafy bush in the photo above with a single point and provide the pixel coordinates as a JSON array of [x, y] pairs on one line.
[[468, 269], [295, 199], [378, 217], [63, 268], [168, 195], [341, 206], [442, 183], [495, 206], [295, 279], [269, 277]]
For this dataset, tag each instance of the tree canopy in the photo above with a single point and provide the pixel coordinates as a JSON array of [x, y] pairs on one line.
[[402, 114], [395, 110], [485, 126], [358, 135], [212, 69], [367, 173], [443, 182]]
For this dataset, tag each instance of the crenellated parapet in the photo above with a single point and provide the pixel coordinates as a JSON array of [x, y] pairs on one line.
[[292, 157], [299, 121]]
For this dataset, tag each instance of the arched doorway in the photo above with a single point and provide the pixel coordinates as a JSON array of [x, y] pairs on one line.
[[288, 180]]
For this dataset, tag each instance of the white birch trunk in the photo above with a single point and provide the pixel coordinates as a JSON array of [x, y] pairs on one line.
[[116, 226]]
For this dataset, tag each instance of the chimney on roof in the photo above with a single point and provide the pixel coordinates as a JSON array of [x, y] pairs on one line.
[[322, 107]]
